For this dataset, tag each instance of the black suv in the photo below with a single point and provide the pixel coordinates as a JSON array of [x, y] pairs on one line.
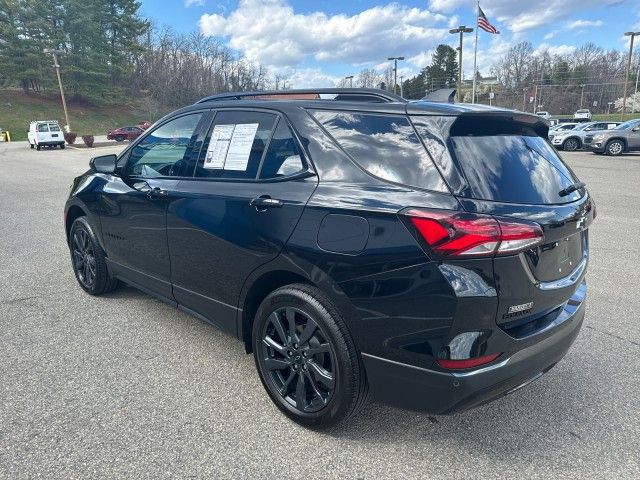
[[428, 255]]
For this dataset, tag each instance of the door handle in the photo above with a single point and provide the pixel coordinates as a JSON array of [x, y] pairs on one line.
[[156, 192], [262, 203]]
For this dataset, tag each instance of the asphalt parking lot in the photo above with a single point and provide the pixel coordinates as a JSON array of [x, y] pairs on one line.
[[124, 386]]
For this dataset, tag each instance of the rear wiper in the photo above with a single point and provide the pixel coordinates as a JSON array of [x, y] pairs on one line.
[[571, 188]]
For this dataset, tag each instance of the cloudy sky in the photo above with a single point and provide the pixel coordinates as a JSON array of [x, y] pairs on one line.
[[315, 43]]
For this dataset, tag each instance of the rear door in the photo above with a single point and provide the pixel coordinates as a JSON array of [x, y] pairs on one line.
[[249, 188]]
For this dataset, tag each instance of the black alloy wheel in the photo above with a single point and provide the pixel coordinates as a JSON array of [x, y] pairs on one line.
[[88, 259], [84, 260], [297, 360], [306, 357]]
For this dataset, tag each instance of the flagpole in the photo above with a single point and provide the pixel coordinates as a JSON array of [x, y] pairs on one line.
[[475, 56]]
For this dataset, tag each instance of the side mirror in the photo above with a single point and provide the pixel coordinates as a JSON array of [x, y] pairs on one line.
[[103, 163], [636, 129]]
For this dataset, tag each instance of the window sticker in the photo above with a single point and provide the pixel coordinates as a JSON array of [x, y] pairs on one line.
[[218, 146], [230, 146], [240, 146]]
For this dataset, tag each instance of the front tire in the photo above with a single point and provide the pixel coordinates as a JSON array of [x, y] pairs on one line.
[[614, 148], [88, 259], [570, 145], [306, 358]]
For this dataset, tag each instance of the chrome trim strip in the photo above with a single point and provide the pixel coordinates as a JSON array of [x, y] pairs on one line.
[[563, 282], [448, 374]]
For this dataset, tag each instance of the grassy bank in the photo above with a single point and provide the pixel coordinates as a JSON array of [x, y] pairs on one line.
[[18, 109]]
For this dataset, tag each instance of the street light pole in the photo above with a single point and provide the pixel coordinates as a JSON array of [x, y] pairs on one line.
[[55, 53], [626, 72], [350, 78], [395, 71], [462, 29]]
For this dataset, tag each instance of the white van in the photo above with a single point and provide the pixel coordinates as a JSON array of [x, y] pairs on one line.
[[45, 133]]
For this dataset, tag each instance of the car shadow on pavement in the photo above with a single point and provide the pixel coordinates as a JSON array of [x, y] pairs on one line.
[[565, 405]]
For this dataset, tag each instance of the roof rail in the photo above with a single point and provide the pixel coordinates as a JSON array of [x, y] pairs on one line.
[[372, 95]]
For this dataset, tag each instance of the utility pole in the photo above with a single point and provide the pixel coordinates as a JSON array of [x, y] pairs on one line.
[[55, 53], [395, 71], [350, 78], [626, 72], [581, 95], [635, 93], [402, 91], [462, 29]]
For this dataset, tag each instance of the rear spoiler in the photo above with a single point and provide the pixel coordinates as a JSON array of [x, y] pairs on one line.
[[443, 95]]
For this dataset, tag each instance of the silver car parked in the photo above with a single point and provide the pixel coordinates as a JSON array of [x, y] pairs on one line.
[[573, 139]]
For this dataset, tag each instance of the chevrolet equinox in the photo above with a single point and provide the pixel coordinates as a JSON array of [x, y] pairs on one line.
[[427, 255]]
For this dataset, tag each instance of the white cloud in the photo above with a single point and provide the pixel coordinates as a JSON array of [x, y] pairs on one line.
[[550, 35], [270, 32], [309, 78], [522, 16], [193, 3], [554, 49], [584, 24]]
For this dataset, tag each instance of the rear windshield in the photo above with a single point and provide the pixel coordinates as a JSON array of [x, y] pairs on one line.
[[507, 162], [53, 127], [386, 146]]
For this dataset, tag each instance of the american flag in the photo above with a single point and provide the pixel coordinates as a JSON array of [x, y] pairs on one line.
[[483, 22]]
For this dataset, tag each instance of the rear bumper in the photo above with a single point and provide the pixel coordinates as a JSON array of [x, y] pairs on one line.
[[51, 143], [440, 392]]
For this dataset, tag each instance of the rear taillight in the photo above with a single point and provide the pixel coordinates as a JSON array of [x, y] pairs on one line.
[[460, 234], [468, 362]]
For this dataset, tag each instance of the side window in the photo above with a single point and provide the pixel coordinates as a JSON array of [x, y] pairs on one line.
[[235, 145], [164, 152], [283, 155], [384, 145]]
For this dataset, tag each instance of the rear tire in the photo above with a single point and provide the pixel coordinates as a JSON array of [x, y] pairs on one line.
[[306, 358], [30, 145], [119, 138], [614, 148], [88, 259], [62, 146], [38, 147]]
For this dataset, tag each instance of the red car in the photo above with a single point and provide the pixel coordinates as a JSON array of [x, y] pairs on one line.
[[125, 133]]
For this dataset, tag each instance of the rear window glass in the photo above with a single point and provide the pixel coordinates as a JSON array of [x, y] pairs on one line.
[[386, 146], [53, 127], [506, 162], [43, 127]]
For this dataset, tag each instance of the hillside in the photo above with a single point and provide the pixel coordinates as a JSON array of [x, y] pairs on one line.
[[18, 109]]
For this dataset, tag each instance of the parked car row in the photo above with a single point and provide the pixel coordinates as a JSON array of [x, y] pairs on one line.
[[581, 115], [612, 138], [572, 139]]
